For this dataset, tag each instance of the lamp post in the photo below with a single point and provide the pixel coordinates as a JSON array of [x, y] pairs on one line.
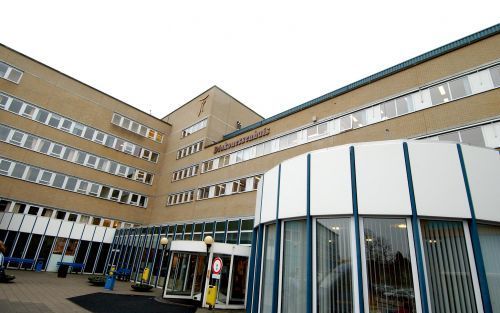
[[164, 244], [209, 240]]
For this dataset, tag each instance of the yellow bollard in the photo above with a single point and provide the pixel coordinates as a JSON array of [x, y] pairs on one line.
[[145, 274], [211, 295]]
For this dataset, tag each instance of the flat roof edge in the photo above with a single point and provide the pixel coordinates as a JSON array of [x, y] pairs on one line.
[[87, 85], [460, 43]]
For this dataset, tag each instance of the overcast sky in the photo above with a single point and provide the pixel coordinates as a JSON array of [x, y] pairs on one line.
[[270, 55]]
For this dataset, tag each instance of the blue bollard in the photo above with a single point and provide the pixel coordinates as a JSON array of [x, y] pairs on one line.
[[110, 282], [39, 266]]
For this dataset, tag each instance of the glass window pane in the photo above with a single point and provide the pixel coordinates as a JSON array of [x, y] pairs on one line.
[[15, 106], [18, 170], [388, 109], [388, 265], [460, 88], [447, 262], [268, 269], [449, 137], [334, 277], [495, 75], [4, 132], [359, 119], [293, 299], [473, 136], [440, 94], [42, 116], [489, 237], [404, 104]]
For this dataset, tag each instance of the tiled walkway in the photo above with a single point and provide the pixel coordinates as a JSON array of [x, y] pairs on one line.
[[45, 292], [33, 292]]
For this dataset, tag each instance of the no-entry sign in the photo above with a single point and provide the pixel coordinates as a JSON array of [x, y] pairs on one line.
[[216, 266]]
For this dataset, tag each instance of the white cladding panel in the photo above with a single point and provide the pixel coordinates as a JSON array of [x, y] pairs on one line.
[[108, 236], [76, 232], [6, 220], [483, 173], [293, 188], [65, 229], [53, 227], [88, 232], [15, 222], [40, 225], [1, 217], [99, 233], [269, 196], [437, 180], [28, 222], [382, 184], [256, 220], [331, 191]]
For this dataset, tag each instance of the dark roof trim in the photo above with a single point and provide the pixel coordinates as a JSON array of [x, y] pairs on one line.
[[36, 61], [483, 34]]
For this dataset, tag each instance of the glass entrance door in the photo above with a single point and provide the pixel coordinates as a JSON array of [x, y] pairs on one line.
[[186, 274]]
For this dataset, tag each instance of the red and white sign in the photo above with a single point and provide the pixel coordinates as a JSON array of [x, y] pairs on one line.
[[216, 266]]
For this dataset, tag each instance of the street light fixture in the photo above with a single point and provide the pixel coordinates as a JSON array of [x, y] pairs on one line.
[[164, 244], [209, 240]]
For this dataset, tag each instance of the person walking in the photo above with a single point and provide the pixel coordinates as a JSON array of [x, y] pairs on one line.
[[2, 251]]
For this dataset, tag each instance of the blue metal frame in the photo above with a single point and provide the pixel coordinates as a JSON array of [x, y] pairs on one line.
[[416, 233], [258, 268], [251, 271], [356, 228], [309, 243], [476, 244], [277, 244]]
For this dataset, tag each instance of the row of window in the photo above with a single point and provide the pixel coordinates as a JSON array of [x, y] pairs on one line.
[[51, 119], [228, 188], [185, 172], [456, 88], [388, 266], [484, 136], [42, 176], [43, 248], [184, 152], [181, 197], [194, 128], [31, 209], [217, 190], [138, 248], [57, 150], [10, 73], [136, 127]]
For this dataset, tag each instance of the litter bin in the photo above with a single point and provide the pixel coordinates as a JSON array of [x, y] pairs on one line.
[[39, 265], [62, 271], [211, 296]]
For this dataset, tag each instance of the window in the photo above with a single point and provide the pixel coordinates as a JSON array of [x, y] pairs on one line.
[[345, 123], [473, 136], [54, 120], [460, 88], [17, 137], [220, 190], [56, 150], [78, 129], [46, 177], [47, 212], [136, 127], [58, 180], [83, 187], [18, 170], [194, 128], [239, 185], [268, 261], [33, 210], [60, 215], [10, 73], [66, 125], [203, 193], [489, 237], [71, 184], [388, 109], [4, 167], [447, 263], [359, 119], [404, 105], [4, 132], [96, 221], [42, 116], [84, 219], [32, 174], [440, 94], [15, 106], [72, 217], [388, 265], [28, 111]]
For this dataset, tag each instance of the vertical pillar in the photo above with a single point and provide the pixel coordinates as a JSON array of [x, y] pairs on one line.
[[476, 244], [416, 233]]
